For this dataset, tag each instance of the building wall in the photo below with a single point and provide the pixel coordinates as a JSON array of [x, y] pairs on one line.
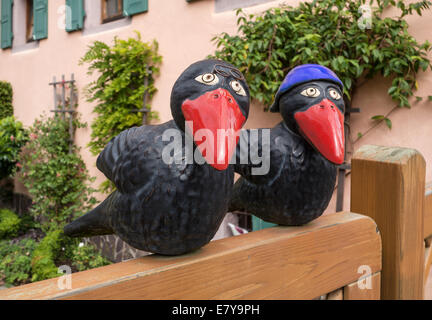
[[184, 30]]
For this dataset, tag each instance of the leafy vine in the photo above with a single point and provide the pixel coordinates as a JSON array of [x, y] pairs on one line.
[[332, 33]]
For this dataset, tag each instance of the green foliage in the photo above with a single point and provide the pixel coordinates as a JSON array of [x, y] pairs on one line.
[[43, 258], [56, 179], [9, 224], [380, 117], [86, 257], [15, 261], [6, 93], [12, 137], [330, 33], [120, 86], [55, 249]]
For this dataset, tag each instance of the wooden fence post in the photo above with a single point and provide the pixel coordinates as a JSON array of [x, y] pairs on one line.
[[388, 185]]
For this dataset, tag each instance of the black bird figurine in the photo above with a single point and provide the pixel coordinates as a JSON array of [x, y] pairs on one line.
[[174, 207], [303, 151]]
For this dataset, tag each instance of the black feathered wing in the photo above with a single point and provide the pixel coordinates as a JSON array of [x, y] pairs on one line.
[[127, 159]]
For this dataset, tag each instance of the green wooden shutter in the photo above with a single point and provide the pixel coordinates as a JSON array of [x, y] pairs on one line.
[[131, 7], [40, 19], [258, 224], [74, 15], [6, 23]]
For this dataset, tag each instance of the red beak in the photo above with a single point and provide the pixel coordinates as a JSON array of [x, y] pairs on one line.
[[216, 117], [323, 126]]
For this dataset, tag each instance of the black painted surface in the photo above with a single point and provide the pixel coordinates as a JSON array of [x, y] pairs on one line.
[[300, 183], [162, 208], [297, 188]]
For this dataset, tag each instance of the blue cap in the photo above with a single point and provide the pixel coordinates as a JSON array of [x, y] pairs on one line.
[[302, 74]]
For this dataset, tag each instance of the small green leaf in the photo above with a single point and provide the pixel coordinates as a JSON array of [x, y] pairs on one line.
[[378, 117], [388, 123]]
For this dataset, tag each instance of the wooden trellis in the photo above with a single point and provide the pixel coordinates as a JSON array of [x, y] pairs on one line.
[[343, 168], [65, 104]]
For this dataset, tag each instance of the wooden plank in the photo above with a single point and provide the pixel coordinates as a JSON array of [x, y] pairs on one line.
[[275, 263], [388, 185], [335, 295], [428, 212], [63, 98], [364, 289], [428, 241], [428, 261], [340, 189], [55, 93]]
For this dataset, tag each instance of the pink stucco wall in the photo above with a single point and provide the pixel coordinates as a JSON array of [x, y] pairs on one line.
[[184, 31]]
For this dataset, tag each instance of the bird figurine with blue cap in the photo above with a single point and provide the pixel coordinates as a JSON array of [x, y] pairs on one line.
[[304, 151], [173, 207]]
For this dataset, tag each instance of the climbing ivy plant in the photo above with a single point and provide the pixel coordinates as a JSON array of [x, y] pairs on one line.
[[119, 89], [354, 40]]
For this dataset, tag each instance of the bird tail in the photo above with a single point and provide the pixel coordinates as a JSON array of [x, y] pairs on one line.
[[94, 223]]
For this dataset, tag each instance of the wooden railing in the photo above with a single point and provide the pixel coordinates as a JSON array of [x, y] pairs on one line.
[[275, 263], [388, 185], [428, 232], [382, 251]]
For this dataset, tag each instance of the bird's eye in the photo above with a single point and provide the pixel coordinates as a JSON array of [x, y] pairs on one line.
[[209, 79], [238, 88], [310, 92], [334, 94]]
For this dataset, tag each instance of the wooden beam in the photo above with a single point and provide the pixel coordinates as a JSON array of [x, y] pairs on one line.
[[275, 263], [364, 289], [427, 261], [335, 295], [388, 185], [428, 211]]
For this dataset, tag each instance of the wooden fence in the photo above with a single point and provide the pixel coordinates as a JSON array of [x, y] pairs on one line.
[[378, 252]]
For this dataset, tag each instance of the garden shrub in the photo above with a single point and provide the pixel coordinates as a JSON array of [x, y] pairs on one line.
[[58, 182], [9, 224], [6, 93], [56, 179], [43, 258], [15, 261], [56, 249], [13, 136], [86, 257]]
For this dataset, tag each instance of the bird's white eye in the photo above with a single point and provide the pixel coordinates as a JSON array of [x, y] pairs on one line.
[[334, 94], [209, 79], [238, 88], [310, 92]]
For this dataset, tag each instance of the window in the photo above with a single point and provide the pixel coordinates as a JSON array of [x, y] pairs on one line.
[[29, 20], [111, 10], [106, 15], [225, 5]]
